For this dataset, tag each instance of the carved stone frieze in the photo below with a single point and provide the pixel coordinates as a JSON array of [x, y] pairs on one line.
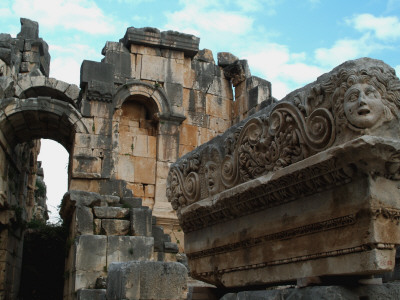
[[356, 98], [305, 187]]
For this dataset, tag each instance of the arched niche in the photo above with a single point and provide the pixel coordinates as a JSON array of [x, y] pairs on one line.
[[135, 127]]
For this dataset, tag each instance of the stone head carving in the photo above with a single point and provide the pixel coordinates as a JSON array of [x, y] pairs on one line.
[[212, 174], [365, 99]]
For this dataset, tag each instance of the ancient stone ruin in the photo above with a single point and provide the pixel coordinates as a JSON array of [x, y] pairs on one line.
[[154, 97], [306, 188], [301, 190]]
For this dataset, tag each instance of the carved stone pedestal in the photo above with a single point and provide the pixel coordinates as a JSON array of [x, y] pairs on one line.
[[335, 213], [305, 188]]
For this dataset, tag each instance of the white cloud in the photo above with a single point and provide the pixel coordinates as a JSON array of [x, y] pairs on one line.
[[66, 69], [257, 5], [5, 12], [384, 28], [68, 59], [283, 69], [82, 15], [196, 20], [341, 51]]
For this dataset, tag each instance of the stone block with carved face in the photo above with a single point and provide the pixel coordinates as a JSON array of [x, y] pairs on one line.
[[306, 187]]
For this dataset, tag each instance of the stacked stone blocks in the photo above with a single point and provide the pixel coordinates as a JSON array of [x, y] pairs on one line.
[[107, 229]]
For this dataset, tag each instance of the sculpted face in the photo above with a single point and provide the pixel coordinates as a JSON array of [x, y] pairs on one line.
[[212, 177], [363, 105]]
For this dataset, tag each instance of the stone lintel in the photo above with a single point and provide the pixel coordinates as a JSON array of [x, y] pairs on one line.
[[152, 37], [96, 72]]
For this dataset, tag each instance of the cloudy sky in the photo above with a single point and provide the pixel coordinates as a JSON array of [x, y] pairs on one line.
[[287, 42]]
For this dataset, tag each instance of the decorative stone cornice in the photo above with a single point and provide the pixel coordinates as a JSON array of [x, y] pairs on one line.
[[322, 115]]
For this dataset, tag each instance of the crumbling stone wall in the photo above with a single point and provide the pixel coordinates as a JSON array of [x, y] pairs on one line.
[[154, 97]]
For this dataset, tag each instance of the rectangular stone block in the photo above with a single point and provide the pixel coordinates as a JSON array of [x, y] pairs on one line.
[[189, 134], [127, 248], [168, 280], [131, 202], [141, 221], [123, 281], [84, 220], [145, 170], [91, 70], [132, 280], [110, 212], [90, 253], [126, 168], [153, 68], [115, 227], [91, 294]]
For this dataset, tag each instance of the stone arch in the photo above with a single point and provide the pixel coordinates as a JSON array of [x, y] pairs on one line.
[[35, 86], [153, 97], [22, 120]]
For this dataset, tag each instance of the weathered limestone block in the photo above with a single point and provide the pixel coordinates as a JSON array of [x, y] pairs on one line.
[[90, 252], [276, 191], [83, 220], [170, 247], [29, 29], [373, 292], [75, 198], [110, 212], [115, 227], [237, 72], [127, 248], [122, 281], [92, 294], [131, 280], [141, 219], [160, 238], [205, 55], [226, 58], [132, 202]]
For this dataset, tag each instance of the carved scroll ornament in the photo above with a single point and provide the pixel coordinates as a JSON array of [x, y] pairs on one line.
[[359, 97]]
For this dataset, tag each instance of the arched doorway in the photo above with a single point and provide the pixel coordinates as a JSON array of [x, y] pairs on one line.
[[22, 123]]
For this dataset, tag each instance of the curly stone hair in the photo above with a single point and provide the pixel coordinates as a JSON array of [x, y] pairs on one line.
[[385, 81]]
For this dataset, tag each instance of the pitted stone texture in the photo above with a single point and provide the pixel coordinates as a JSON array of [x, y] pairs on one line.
[[122, 281], [131, 202], [115, 227], [141, 219], [226, 58], [91, 252], [91, 294], [159, 238], [29, 29], [205, 55], [372, 292], [173, 40], [131, 281], [111, 212], [90, 260], [84, 220], [127, 248]]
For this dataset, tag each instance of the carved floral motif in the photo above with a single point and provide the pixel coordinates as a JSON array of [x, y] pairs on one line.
[[359, 97]]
